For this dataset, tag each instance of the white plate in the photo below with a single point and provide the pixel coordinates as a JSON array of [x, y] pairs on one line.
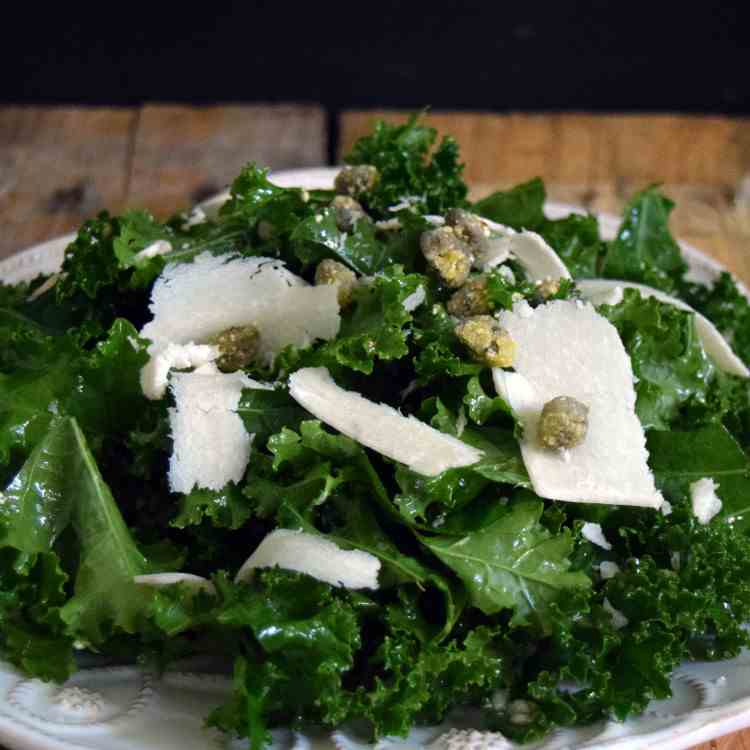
[[124, 708]]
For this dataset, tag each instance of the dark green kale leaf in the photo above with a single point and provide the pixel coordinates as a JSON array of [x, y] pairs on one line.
[[265, 412], [680, 458], [425, 499], [667, 357], [33, 635], [374, 329], [644, 250], [304, 637], [724, 304], [480, 407], [365, 249], [307, 468], [521, 207], [514, 563], [576, 240], [409, 167], [226, 508], [35, 507], [423, 681], [105, 595], [440, 352]]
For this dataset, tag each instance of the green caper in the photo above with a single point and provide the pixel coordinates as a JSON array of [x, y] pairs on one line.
[[564, 423], [449, 256], [333, 273], [470, 299], [356, 180], [487, 340], [347, 211], [238, 346]]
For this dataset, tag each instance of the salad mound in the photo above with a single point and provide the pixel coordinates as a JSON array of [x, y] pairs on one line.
[[379, 450]]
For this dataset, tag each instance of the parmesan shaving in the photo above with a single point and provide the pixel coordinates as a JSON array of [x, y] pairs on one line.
[[157, 580], [608, 569], [593, 532], [415, 299], [194, 302], [422, 448], [606, 292], [155, 373], [571, 350], [210, 444], [705, 501], [619, 621], [160, 247], [538, 259], [315, 556]]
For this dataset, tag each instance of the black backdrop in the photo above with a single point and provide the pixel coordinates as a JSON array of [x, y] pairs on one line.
[[493, 55]]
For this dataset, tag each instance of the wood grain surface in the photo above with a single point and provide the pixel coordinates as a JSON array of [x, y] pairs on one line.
[[59, 166], [598, 161]]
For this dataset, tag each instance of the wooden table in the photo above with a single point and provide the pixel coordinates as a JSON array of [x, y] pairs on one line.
[[60, 165]]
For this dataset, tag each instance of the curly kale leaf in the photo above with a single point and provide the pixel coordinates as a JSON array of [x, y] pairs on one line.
[[410, 168], [668, 358], [304, 635], [514, 563], [644, 250], [425, 499], [521, 207]]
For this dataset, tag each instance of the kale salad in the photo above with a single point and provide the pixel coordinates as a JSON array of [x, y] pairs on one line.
[[383, 452]]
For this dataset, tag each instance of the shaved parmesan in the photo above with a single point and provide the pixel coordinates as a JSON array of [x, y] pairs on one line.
[[315, 556], [193, 302], [606, 292], [593, 532], [706, 503], [608, 569], [619, 621], [160, 247], [415, 299], [155, 374], [210, 444], [538, 259], [568, 349], [157, 580], [422, 448]]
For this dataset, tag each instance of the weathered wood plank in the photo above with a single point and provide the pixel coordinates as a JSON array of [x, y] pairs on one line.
[[58, 166], [598, 161], [184, 154]]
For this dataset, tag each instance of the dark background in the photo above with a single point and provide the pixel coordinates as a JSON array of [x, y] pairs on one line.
[[491, 55]]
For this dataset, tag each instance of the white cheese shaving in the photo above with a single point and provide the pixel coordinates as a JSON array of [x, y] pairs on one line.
[[196, 216], [538, 259], [45, 287], [593, 532], [157, 580], [604, 292], [210, 444], [706, 503], [160, 247], [415, 299], [608, 569], [567, 350], [666, 508], [315, 556], [619, 621], [193, 302], [422, 448], [388, 225], [155, 373]]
